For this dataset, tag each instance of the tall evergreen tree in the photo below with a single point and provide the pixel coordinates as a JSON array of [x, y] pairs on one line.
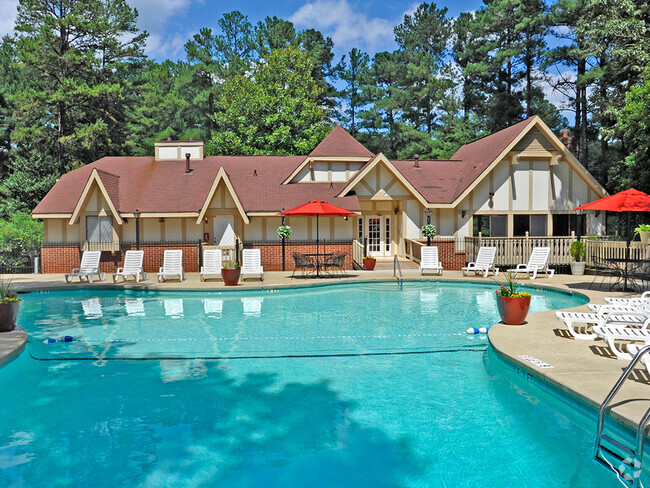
[[355, 75]]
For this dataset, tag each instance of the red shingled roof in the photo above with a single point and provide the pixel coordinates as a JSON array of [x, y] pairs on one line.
[[340, 143], [163, 186]]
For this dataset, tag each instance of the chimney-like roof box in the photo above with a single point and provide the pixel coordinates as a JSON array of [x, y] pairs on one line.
[[169, 150]]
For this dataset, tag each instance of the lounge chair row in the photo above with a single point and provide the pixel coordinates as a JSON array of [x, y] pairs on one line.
[[537, 263], [620, 323], [172, 266]]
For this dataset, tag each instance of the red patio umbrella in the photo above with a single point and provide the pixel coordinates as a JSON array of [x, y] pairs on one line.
[[317, 207], [626, 201]]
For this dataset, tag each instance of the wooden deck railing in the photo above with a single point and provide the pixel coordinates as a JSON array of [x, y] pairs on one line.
[[515, 250], [357, 253], [614, 250], [412, 250]]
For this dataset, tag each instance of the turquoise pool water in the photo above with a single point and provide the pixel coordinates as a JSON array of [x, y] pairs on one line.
[[325, 392]]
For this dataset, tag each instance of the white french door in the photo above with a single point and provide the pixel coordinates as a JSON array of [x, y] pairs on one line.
[[379, 231]]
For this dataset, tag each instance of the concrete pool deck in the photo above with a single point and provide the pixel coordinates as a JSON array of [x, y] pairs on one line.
[[585, 369]]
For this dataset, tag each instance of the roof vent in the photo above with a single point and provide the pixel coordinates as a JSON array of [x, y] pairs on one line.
[[255, 173], [417, 160], [187, 163], [169, 139]]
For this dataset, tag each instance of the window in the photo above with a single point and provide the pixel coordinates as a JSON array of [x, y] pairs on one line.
[[564, 224], [498, 225], [535, 225], [482, 225], [360, 229], [99, 229]]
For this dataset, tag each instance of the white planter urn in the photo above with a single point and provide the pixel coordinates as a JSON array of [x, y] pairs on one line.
[[645, 237], [578, 268]]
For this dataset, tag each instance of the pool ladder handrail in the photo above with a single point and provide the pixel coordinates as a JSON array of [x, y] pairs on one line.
[[634, 458], [397, 267]]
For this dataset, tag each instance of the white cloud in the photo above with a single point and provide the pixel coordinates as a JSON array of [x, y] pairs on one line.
[[166, 47], [346, 27], [8, 17]]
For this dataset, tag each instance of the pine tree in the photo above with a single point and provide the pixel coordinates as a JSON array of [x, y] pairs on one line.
[[355, 75]]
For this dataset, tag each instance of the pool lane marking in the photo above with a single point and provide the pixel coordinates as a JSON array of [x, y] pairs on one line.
[[272, 338], [284, 356]]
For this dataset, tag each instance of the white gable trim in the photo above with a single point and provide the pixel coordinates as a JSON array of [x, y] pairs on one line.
[[222, 176], [94, 178], [324, 159], [381, 159]]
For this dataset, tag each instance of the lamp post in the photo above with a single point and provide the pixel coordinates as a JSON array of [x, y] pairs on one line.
[[283, 245], [428, 213], [136, 214]]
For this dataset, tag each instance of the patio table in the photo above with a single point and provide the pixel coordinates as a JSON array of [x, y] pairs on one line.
[[318, 262], [627, 268]]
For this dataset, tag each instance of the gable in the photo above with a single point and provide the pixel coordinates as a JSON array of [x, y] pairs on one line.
[[96, 196]]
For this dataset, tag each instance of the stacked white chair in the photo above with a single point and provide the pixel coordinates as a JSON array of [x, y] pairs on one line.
[[536, 263], [484, 262], [172, 265], [132, 267], [89, 267], [429, 262], [212, 263], [252, 264]]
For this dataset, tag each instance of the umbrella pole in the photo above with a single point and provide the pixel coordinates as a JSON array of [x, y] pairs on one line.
[[317, 252], [627, 250]]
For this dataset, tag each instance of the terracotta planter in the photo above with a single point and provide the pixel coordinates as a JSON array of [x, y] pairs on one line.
[[369, 264], [513, 310], [230, 276], [9, 315]]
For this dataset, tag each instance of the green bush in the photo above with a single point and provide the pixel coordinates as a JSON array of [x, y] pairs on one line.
[[577, 250]]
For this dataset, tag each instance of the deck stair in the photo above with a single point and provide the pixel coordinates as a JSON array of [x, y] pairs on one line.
[[386, 264], [624, 461]]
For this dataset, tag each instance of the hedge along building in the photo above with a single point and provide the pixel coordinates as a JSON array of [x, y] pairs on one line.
[[519, 180]]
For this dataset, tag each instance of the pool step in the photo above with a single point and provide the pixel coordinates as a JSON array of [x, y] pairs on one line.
[[623, 458], [627, 461]]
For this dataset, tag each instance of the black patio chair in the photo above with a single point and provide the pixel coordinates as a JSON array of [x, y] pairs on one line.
[[336, 262], [303, 263], [605, 269]]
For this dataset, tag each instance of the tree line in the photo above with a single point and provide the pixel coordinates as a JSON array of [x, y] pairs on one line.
[[75, 85]]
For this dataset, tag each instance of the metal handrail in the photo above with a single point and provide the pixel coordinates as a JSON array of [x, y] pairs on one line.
[[396, 267], [642, 423]]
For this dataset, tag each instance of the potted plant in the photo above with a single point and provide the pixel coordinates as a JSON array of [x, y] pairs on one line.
[[230, 271], [429, 230], [369, 263], [577, 252], [284, 231], [9, 306], [644, 233], [513, 305]]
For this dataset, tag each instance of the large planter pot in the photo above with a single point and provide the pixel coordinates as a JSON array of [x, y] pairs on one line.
[[369, 264], [230, 276], [513, 310], [577, 268], [645, 237], [9, 315]]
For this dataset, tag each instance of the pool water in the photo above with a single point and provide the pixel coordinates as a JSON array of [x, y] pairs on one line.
[[349, 386]]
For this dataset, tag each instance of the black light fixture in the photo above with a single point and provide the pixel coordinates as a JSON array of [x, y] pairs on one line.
[[428, 213], [136, 214]]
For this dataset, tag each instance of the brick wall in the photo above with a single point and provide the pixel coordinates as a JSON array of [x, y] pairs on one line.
[[271, 252], [62, 258], [450, 258]]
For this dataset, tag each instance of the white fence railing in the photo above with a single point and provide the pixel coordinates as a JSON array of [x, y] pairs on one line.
[[515, 250], [603, 250], [357, 253]]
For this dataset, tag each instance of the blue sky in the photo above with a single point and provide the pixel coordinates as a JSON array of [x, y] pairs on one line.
[[367, 25]]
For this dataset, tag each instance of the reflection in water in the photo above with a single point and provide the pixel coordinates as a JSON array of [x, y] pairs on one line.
[[252, 306], [174, 307], [212, 306], [178, 369], [429, 301], [134, 306], [486, 304], [92, 308]]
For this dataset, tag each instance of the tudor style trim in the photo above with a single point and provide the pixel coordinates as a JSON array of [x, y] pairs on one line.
[[323, 159], [94, 178], [566, 154], [380, 158], [222, 176]]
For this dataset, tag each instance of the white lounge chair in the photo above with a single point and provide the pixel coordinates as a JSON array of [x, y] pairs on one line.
[[252, 264], [643, 299], [611, 334], [211, 263], [580, 324], [132, 267], [429, 260], [536, 263], [172, 265], [89, 267], [484, 262]]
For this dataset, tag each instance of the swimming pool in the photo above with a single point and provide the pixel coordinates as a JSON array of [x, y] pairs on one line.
[[346, 385]]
